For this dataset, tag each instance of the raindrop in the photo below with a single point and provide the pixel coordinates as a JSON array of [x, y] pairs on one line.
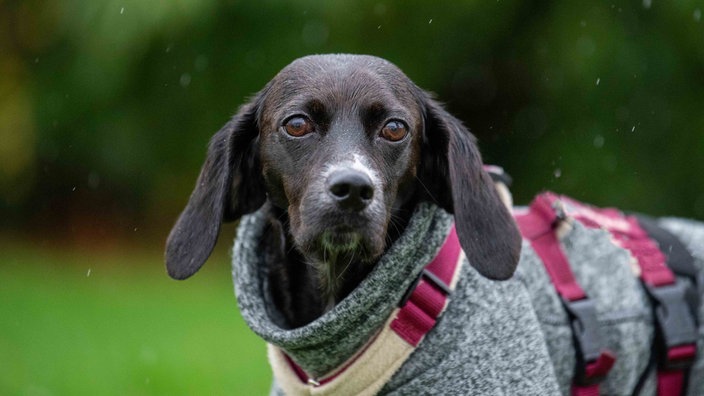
[[88, 273], [74, 188], [697, 15], [430, 21], [583, 23], [122, 10], [598, 80], [36, 60], [557, 173], [598, 141], [185, 80], [378, 27], [633, 129], [647, 4]]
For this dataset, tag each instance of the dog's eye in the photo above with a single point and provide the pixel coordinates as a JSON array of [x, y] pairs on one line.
[[394, 131], [298, 126]]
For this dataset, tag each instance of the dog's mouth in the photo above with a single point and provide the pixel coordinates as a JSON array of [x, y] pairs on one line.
[[340, 246], [340, 254], [345, 243], [340, 239]]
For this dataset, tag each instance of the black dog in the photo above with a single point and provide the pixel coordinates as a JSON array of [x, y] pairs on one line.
[[340, 156], [341, 148]]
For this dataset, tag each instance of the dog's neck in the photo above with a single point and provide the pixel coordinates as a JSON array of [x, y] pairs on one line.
[[304, 288], [333, 338]]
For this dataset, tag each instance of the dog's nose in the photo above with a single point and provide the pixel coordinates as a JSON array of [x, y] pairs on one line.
[[350, 189]]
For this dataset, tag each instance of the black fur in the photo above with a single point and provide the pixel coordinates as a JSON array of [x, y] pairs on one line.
[[316, 250], [229, 186], [486, 229]]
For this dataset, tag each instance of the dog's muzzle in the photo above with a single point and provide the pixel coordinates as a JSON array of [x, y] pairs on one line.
[[350, 189]]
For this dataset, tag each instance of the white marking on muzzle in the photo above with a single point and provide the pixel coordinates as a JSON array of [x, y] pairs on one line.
[[359, 163]]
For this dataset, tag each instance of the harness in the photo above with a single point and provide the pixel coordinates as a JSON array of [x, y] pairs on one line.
[[658, 256], [370, 368]]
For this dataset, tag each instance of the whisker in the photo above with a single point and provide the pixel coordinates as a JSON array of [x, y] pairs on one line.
[[346, 267], [426, 189], [396, 226]]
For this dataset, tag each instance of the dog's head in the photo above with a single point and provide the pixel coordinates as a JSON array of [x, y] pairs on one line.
[[343, 143]]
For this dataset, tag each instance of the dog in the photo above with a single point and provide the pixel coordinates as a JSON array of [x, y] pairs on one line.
[[347, 179]]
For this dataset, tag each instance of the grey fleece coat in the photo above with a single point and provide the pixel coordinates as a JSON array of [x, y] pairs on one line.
[[495, 338]]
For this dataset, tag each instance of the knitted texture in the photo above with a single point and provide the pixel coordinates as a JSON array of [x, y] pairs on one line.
[[488, 341], [691, 234], [623, 310], [331, 339], [495, 338], [603, 271]]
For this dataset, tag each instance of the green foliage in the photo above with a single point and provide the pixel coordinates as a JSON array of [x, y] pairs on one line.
[[110, 103]]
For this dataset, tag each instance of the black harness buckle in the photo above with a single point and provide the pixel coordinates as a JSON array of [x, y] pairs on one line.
[[593, 361], [437, 282], [679, 259], [675, 323]]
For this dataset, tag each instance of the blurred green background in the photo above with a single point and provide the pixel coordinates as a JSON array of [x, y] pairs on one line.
[[106, 108]]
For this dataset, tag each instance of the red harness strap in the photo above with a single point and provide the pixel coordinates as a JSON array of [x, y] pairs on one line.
[[676, 332], [421, 307], [593, 361]]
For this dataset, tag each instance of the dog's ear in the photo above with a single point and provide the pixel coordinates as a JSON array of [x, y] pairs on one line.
[[230, 185], [450, 162]]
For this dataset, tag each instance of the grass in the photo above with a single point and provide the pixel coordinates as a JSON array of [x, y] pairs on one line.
[[115, 324]]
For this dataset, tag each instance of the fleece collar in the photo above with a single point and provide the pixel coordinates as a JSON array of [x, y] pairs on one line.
[[329, 341]]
